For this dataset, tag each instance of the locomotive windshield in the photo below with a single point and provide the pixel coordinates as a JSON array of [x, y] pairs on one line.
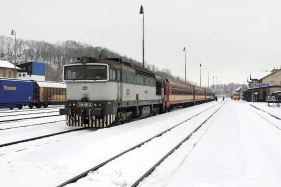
[[85, 72]]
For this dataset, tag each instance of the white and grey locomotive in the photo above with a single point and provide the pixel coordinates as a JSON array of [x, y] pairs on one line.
[[104, 92]]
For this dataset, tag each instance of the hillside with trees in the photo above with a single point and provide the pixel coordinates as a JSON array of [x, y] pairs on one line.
[[57, 55]]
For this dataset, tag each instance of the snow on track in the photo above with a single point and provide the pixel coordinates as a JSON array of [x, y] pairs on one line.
[[58, 162], [127, 169], [240, 149]]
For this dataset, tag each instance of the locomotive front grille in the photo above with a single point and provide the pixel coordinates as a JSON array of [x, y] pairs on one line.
[[75, 120]]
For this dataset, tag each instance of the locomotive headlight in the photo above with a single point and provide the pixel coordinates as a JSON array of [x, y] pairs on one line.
[[99, 104], [74, 104], [95, 104], [69, 104]]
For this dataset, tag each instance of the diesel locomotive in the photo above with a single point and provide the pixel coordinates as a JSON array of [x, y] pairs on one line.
[[105, 92]]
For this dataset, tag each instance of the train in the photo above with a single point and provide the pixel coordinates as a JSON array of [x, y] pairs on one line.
[[103, 92], [236, 96], [16, 93]]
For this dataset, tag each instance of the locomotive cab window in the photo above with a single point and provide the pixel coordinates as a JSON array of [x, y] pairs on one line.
[[89, 72]]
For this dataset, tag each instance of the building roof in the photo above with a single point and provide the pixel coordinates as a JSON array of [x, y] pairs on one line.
[[258, 75], [6, 64]]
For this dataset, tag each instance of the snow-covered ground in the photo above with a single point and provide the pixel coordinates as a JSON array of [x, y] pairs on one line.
[[236, 147]]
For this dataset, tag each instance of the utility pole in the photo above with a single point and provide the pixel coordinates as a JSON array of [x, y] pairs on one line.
[[142, 12], [200, 74], [208, 79], [185, 64]]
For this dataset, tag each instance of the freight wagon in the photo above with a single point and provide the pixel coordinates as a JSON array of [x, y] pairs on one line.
[[48, 93], [15, 93]]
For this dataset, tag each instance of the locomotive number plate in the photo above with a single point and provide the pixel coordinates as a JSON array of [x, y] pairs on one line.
[[85, 104]]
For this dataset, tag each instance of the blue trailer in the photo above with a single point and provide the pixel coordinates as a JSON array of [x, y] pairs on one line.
[[15, 93]]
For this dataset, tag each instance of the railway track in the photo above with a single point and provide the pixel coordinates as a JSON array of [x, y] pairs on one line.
[[39, 137], [26, 118], [265, 118], [165, 133], [266, 112], [11, 115], [36, 124], [5, 111]]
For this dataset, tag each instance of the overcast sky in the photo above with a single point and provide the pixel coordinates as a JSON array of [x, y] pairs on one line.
[[230, 38]]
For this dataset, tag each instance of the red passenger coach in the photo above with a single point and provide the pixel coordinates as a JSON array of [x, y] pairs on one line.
[[178, 94], [184, 94]]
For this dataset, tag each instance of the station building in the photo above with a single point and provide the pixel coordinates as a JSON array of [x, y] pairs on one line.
[[262, 85], [8, 70], [26, 71]]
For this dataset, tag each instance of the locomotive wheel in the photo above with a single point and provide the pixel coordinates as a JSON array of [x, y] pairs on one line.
[[45, 105], [11, 108], [30, 106]]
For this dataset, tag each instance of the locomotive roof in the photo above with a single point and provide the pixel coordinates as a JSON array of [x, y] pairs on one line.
[[178, 83], [118, 63]]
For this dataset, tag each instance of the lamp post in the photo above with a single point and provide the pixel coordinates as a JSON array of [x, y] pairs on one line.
[[200, 74], [14, 33], [142, 12], [208, 79], [213, 84], [216, 83], [184, 63]]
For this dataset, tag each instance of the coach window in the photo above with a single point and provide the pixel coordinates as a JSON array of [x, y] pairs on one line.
[[148, 83], [144, 81], [138, 80]]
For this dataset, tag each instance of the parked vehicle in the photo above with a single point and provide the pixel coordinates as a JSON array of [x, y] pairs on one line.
[[15, 93]]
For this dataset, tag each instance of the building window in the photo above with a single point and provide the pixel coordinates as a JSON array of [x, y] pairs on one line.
[[9, 74], [23, 74], [271, 83], [19, 75], [4, 73]]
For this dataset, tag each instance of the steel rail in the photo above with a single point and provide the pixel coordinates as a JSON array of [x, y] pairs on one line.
[[9, 128], [81, 175], [265, 112], [2, 111], [40, 137], [266, 119], [173, 149], [38, 112], [36, 117]]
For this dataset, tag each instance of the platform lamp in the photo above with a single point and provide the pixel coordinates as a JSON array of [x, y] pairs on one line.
[[13, 32], [142, 12], [184, 64], [200, 74]]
